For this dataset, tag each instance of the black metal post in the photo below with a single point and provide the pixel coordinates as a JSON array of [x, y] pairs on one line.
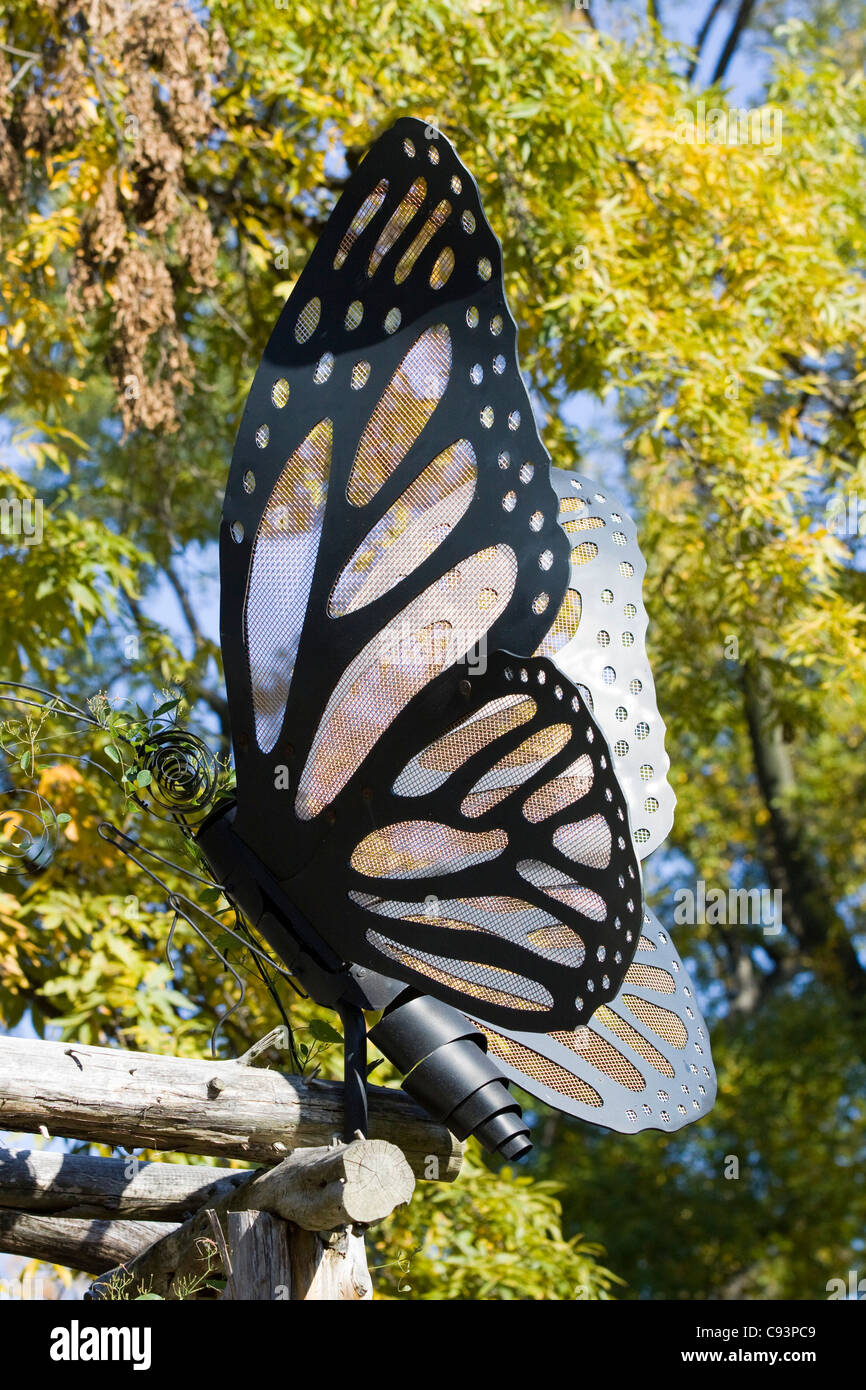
[[354, 1070]]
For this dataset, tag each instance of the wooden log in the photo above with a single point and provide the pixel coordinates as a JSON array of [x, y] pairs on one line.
[[222, 1109], [78, 1185], [258, 1246], [313, 1189], [316, 1188], [89, 1246], [320, 1189]]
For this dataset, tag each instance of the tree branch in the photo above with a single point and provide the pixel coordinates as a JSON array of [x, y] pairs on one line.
[[703, 35], [741, 20]]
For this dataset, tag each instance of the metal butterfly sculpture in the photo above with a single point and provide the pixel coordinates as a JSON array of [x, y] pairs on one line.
[[449, 761]]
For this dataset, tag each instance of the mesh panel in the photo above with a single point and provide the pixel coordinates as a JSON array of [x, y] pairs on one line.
[[527, 925], [540, 747], [432, 633], [507, 918], [411, 849], [497, 717], [308, 320], [281, 572], [583, 553], [583, 523], [586, 842], [602, 1055], [519, 994], [565, 625], [442, 268], [365, 214], [529, 756], [405, 406], [438, 217], [581, 900], [644, 944], [559, 886], [634, 1039], [661, 1021], [397, 224], [540, 1068], [409, 531], [476, 803], [551, 940], [492, 903], [650, 977], [563, 791]]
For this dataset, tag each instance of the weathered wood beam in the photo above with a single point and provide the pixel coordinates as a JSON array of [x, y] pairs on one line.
[[90, 1246], [221, 1109], [315, 1190], [78, 1185]]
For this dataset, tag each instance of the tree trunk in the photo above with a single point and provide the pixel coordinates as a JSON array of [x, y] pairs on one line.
[[807, 902]]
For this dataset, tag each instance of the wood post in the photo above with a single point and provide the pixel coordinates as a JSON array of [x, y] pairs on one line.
[[259, 1251], [330, 1266]]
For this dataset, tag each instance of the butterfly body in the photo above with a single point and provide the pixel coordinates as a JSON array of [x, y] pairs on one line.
[[276, 916]]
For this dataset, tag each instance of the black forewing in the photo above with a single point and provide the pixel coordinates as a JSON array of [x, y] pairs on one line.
[[296, 389]]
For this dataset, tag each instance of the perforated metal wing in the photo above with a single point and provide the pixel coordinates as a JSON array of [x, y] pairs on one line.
[[389, 529], [599, 642], [644, 1060]]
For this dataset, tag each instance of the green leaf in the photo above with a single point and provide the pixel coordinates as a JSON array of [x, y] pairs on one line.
[[164, 708], [324, 1032]]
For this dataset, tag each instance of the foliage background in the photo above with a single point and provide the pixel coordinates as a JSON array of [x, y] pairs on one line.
[[164, 169]]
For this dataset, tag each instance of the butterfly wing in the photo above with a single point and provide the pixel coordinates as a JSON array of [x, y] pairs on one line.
[[389, 521], [493, 867], [388, 486], [644, 1061], [598, 640]]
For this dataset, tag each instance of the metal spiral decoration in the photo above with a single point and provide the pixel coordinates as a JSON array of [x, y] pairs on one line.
[[28, 832], [183, 772]]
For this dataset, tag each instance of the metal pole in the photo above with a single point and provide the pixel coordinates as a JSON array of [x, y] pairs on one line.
[[354, 1071]]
